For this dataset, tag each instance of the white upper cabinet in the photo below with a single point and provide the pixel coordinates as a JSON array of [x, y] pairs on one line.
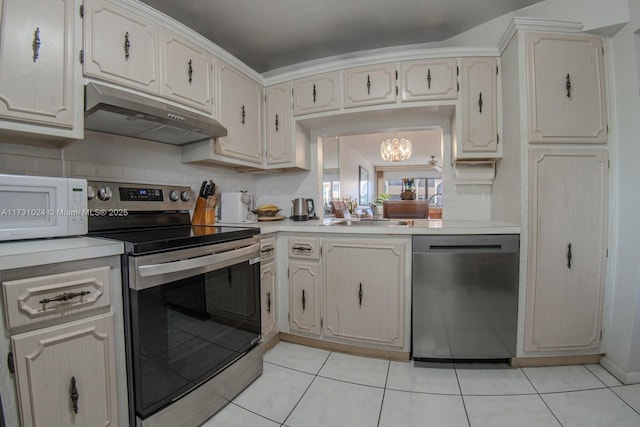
[[37, 63], [316, 93], [565, 78], [478, 87], [370, 85], [121, 47], [428, 80], [240, 112], [186, 72], [279, 135]]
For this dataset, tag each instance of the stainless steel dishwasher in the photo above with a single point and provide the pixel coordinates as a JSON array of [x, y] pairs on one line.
[[465, 297]]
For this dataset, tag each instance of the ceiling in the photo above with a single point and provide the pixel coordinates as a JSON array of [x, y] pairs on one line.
[[424, 144], [268, 35]]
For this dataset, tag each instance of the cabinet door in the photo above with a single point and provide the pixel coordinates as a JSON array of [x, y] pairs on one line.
[[370, 85], [565, 78], [279, 147], [365, 291], [316, 93], [268, 295], [429, 80], [304, 296], [187, 72], [479, 106], [120, 47], [567, 227], [66, 374], [37, 61], [240, 113]]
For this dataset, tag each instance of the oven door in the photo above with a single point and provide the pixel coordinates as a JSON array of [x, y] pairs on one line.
[[192, 313]]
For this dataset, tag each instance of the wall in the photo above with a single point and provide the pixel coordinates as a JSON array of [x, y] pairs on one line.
[[622, 327], [109, 157]]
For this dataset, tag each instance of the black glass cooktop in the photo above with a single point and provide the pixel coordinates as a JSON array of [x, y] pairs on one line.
[[159, 239]]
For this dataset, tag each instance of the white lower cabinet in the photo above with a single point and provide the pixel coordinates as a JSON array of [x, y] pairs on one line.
[[66, 375], [268, 280], [364, 290], [304, 296], [567, 249], [348, 290]]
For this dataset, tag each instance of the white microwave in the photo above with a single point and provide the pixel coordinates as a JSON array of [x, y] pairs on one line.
[[38, 206]]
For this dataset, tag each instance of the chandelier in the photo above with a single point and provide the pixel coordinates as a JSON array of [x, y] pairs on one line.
[[395, 150]]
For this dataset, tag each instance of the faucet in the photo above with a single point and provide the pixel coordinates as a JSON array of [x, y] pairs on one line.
[[434, 195]]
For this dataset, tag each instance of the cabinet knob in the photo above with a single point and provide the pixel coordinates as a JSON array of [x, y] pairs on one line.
[[568, 85], [268, 302], [304, 301], [190, 71], [429, 78], [569, 256], [314, 93], [480, 103], [277, 123], [74, 395], [36, 44], [244, 114], [368, 85], [360, 295], [127, 45]]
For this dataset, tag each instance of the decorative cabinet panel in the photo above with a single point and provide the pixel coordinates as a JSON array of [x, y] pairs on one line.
[[186, 72], [37, 63], [268, 281], [567, 248], [279, 135], [370, 85], [37, 299], [478, 95], [305, 285], [428, 80], [121, 47], [240, 112], [317, 93], [66, 375], [365, 290], [565, 78]]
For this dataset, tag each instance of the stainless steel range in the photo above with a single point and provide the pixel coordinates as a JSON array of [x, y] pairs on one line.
[[192, 325]]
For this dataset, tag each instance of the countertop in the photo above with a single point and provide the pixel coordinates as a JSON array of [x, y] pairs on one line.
[[420, 226], [28, 253]]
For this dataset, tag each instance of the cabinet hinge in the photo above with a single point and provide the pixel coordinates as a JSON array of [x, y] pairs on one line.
[[81, 11], [457, 70], [321, 322], [607, 255], [607, 129], [601, 333], [11, 363], [289, 316], [609, 164], [496, 70], [82, 56], [497, 138], [396, 90], [458, 86], [396, 74], [287, 272], [265, 98]]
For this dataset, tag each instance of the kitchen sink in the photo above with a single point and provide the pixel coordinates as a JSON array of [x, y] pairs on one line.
[[373, 223]]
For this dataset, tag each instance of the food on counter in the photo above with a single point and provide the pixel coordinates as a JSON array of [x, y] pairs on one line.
[[266, 210]]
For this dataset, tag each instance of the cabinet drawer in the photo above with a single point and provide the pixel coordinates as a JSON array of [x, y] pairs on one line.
[[32, 300], [307, 248]]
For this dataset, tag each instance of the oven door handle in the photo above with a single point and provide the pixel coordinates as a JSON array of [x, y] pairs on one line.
[[194, 263]]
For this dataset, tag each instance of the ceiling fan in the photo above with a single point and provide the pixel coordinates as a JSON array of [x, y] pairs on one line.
[[433, 163]]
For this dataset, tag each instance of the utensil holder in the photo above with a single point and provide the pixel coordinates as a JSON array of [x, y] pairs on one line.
[[205, 211]]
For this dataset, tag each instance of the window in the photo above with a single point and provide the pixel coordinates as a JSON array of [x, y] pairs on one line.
[[330, 191], [425, 189]]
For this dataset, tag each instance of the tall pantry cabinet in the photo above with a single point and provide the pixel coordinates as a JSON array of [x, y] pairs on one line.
[[554, 95]]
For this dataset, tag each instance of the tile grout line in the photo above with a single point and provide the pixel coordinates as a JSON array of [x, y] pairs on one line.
[[464, 405], [610, 388], [384, 391], [306, 390], [540, 396], [249, 410]]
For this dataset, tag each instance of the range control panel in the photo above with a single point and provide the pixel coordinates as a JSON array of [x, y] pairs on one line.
[[138, 197]]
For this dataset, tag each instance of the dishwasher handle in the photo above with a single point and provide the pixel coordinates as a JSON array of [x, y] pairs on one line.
[[465, 249], [464, 244]]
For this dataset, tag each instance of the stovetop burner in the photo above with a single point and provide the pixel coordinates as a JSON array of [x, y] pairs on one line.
[[144, 241]]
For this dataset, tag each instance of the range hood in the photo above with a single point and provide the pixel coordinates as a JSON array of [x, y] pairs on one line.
[[118, 112]]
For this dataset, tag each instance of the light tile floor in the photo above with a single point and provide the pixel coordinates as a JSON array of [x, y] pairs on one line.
[[307, 387]]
